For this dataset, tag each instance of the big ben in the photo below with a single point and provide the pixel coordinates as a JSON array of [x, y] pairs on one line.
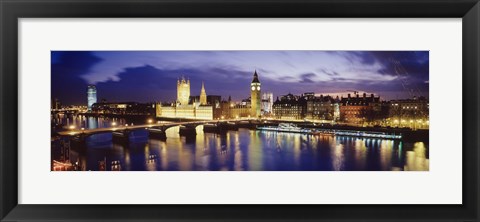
[[255, 96]]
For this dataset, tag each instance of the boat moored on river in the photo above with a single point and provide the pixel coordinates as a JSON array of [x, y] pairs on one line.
[[367, 134], [292, 128], [285, 127]]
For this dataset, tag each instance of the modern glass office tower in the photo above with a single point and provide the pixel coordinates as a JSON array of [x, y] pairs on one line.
[[91, 96]]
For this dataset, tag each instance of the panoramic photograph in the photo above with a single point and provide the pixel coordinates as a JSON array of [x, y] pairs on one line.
[[240, 110]]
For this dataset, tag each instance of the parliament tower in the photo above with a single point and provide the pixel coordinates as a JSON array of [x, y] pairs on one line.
[[183, 91], [256, 98]]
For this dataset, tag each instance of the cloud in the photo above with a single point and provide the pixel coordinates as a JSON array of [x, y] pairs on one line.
[[66, 71], [328, 72], [127, 75], [148, 83], [307, 78]]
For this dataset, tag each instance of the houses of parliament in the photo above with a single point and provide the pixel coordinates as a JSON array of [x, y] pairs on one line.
[[204, 107]]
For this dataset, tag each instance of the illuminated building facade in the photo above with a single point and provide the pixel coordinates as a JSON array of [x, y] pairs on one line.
[[230, 110], [336, 110], [360, 110], [91, 96], [195, 109], [307, 106], [321, 108], [413, 113], [213, 100], [289, 107], [267, 103], [240, 111], [183, 91]]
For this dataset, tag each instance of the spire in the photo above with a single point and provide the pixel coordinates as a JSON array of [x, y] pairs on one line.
[[255, 77], [203, 95], [182, 79]]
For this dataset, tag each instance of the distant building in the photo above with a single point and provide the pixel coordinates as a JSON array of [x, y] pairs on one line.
[[308, 95], [124, 108], [306, 106], [289, 107], [267, 103], [321, 108], [56, 105], [214, 100], [91, 96], [230, 110], [336, 110], [413, 113], [240, 111], [360, 110]]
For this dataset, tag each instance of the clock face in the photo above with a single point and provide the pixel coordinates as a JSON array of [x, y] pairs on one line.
[[253, 87], [258, 88]]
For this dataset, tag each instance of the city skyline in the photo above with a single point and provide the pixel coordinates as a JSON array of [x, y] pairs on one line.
[[147, 76], [240, 110]]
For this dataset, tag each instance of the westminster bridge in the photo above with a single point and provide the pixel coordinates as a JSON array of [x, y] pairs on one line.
[[158, 130]]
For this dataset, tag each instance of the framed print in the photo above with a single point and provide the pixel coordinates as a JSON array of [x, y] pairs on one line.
[[206, 110], [211, 129]]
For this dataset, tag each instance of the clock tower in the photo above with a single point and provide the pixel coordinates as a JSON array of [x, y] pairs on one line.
[[255, 96]]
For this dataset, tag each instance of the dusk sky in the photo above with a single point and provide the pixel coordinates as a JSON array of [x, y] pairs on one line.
[[147, 76]]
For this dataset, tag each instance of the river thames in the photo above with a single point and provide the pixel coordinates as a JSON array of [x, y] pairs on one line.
[[240, 150]]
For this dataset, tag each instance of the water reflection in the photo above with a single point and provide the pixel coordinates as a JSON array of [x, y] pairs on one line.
[[360, 154], [241, 150], [337, 155], [417, 159]]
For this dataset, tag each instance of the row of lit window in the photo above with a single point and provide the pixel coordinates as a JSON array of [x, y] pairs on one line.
[[310, 109], [321, 104], [291, 108], [352, 112], [406, 104]]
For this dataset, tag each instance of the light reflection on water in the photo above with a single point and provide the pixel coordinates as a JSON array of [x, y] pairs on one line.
[[247, 150], [416, 159]]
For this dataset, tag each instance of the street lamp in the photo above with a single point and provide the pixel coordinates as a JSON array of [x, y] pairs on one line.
[[72, 127], [114, 123], [150, 121]]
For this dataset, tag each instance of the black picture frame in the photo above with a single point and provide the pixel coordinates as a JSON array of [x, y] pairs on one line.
[[11, 11]]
